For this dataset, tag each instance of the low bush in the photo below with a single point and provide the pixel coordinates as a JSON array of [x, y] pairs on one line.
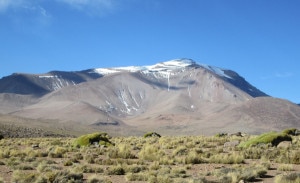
[[238, 174], [46, 167], [221, 134], [94, 138], [152, 134], [68, 163], [272, 137], [67, 176], [180, 151], [286, 167], [57, 152], [84, 169], [24, 177], [150, 153], [135, 168], [4, 153], [194, 158], [116, 170], [136, 177], [90, 158], [288, 178], [122, 151], [233, 158], [179, 172], [290, 131], [24, 167], [253, 152], [294, 157], [154, 165]]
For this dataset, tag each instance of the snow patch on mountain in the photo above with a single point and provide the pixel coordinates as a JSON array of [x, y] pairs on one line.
[[47, 76], [55, 82], [164, 68], [104, 71], [215, 70]]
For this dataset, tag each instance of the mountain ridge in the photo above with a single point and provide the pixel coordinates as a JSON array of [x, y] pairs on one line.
[[173, 97], [41, 84]]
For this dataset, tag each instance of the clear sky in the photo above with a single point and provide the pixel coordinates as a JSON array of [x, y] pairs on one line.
[[259, 39]]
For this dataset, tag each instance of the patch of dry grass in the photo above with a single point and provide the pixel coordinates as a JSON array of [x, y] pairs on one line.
[[165, 159]]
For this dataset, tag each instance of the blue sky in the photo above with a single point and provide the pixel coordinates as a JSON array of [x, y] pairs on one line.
[[259, 39]]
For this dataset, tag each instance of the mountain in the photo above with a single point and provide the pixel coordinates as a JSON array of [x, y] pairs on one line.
[[172, 97], [42, 84]]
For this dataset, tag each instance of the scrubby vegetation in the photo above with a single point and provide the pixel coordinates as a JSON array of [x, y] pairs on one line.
[[152, 134], [94, 138], [164, 159], [288, 178], [273, 138]]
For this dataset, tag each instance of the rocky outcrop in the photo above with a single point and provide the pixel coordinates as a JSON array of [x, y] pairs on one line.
[[284, 144]]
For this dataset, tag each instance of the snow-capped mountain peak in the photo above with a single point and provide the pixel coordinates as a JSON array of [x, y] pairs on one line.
[[166, 66], [163, 66]]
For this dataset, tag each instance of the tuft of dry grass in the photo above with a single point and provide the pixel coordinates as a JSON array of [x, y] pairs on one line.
[[136, 176], [285, 167], [288, 178], [98, 179], [234, 158]]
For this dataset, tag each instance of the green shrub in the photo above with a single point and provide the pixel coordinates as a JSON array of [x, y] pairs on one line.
[[89, 139], [221, 135], [272, 137], [290, 131], [152, 134]]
